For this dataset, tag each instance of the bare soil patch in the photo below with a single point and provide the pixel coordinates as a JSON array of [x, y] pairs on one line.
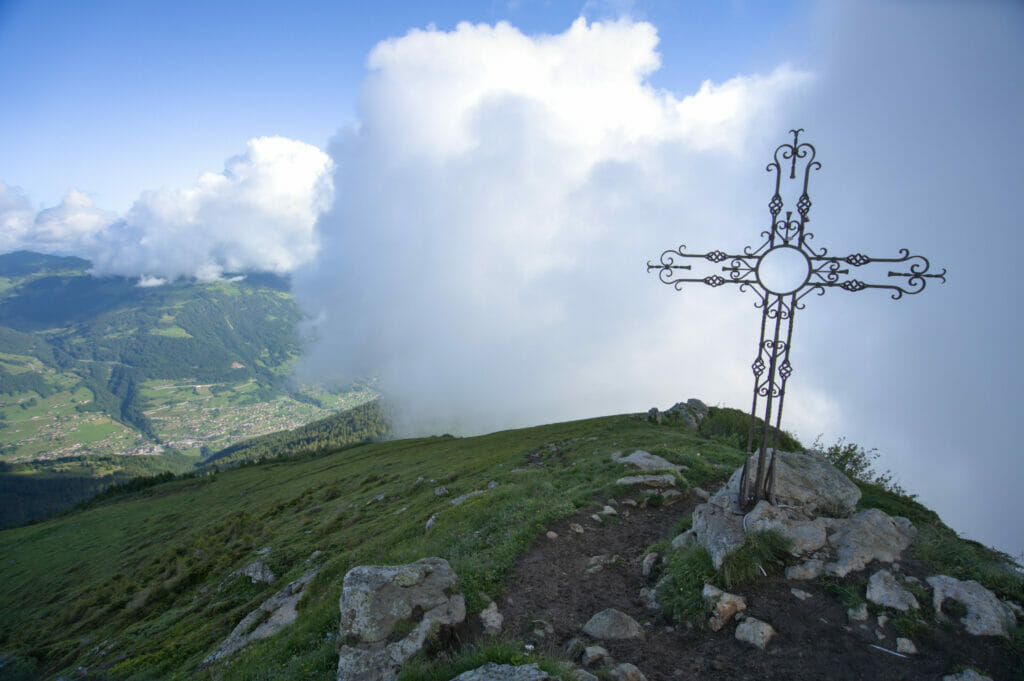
[[815, 640]]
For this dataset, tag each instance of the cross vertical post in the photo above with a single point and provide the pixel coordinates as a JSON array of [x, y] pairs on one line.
[[782, 271]]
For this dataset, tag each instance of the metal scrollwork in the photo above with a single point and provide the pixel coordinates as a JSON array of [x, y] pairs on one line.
[[772, 367]]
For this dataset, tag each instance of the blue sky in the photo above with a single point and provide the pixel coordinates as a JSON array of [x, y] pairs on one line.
[[467, 209]]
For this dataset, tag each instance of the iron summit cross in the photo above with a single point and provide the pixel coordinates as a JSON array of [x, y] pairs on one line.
[[782, 271]]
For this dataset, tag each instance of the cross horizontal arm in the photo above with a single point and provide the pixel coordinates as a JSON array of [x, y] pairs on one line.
[[740, 269], [826, 271]]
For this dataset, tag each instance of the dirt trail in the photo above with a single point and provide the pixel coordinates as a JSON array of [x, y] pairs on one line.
[[815, 640]]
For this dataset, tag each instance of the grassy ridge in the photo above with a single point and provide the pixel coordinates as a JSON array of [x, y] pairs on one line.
[[139, 587]]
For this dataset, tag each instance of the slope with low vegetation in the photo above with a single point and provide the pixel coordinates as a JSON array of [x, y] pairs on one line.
[[145, 584]]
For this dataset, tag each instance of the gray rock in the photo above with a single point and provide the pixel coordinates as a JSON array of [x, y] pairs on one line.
[[697, 408], [755, 632], [551, 534], [257, 571], [800, 593], [626, 672], [542, 629], [441, 491], [493, 671], [718, 530], [858, 614], [723, 606], [274, 614], [867, 536], [375, 599], [966, 675], [884, 590], [491, 619], [685, 539], [649, 560], [645, 461], [986, 614], [905, 646], [465, 497], [430, 522], [809, 481], [649, 597], [809, 569], [700, 493], [594, 654], [807, 535], [612, 624], [578, 674], [664, 481], [653, 415]]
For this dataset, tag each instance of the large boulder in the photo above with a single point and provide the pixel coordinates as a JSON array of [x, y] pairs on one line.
[[387, 612], [867, 536], [986, 614], [755, 632], [809, 481]]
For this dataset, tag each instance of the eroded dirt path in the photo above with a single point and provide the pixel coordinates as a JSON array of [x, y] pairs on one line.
[[815, 639]]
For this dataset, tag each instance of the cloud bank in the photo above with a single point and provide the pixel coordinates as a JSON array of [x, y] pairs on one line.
[[495, 208], [259, 214]]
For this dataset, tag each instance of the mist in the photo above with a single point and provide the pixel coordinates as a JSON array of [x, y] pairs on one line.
[[500, 197]]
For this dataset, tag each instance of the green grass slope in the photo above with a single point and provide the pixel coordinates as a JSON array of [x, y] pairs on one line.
[[140, 586]]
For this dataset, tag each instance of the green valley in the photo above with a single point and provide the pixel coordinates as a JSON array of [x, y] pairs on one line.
[[102, 379]]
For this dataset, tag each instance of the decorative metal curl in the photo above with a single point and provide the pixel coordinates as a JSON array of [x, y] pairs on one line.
[[772, 366]]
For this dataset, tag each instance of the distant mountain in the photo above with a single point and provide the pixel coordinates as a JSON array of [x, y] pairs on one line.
[[102, 379]]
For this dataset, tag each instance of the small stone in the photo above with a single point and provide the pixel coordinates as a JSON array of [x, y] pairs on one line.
[[492, 484], [552, 534], [596, 518], [649, 560], [582, 675], [800, 593], [593, 654], [723, 605], [755, 632], [608, 510], [612, 624], [491, 619], [626, 672], [441, 491], [883, 620], [574, 647], [576, 527], [700, 493], [858, 614], [685, 539], [430, 521], [629, 502], [649, 597], [906, 646]]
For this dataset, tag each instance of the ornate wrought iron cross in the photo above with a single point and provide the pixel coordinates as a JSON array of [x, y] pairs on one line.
[[782, 271]]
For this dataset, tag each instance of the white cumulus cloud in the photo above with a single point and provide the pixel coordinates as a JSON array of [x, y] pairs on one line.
[[258, 214], [496, 205]]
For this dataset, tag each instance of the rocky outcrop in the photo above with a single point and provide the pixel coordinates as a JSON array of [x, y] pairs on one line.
[[656, 481], [274, 614], [691, 413], [810, 482], [867, 536], [885, 590], [387, 612], [986, 614], [505, 672], [612, 624], [645, 461]]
